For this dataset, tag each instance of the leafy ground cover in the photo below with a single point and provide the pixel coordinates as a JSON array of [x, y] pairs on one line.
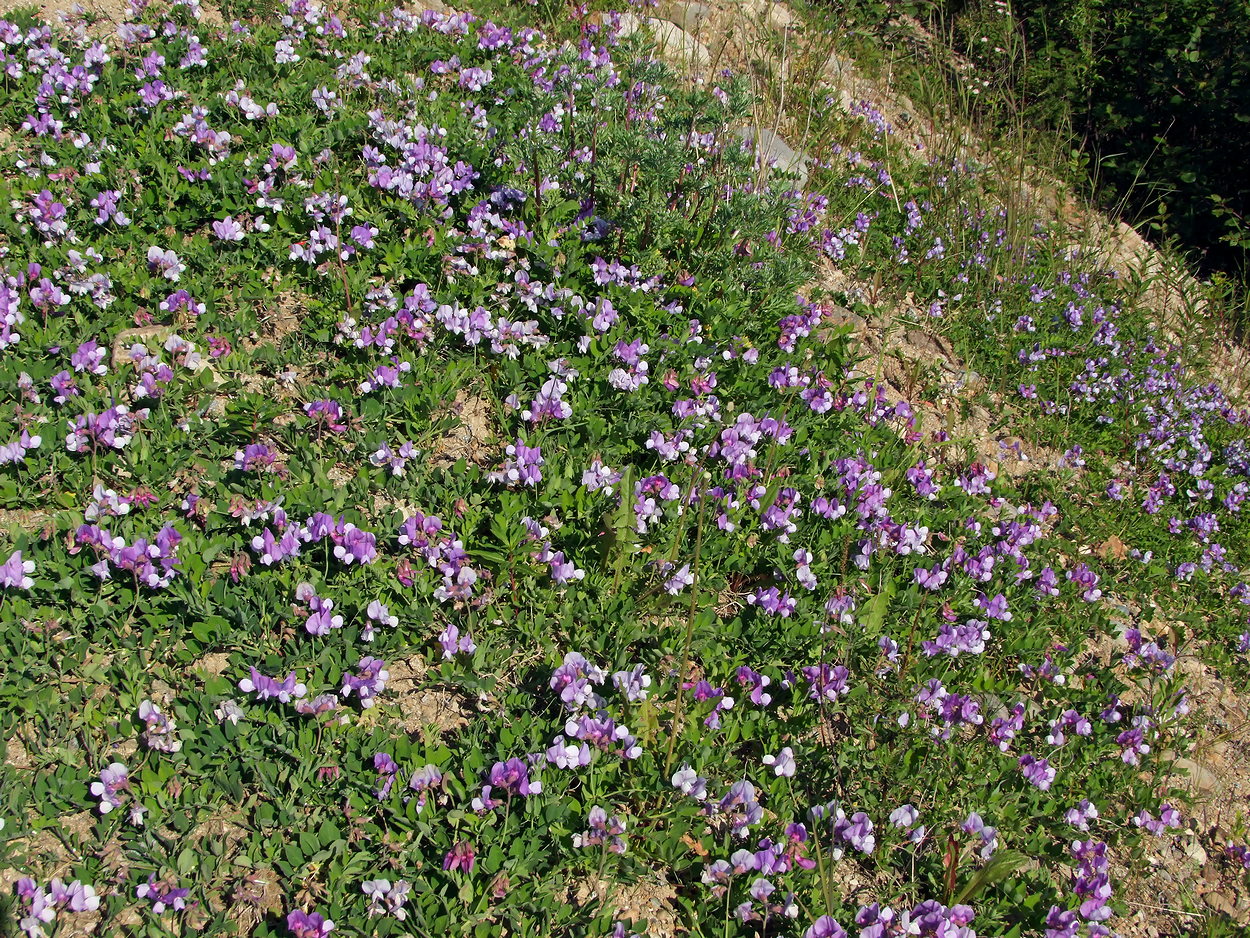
[[443, 499]]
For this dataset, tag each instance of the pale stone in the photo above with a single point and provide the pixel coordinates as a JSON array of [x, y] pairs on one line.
[[690, 15], [774, 152]]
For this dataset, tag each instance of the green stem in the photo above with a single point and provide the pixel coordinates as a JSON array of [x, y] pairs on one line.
[[685, 656]]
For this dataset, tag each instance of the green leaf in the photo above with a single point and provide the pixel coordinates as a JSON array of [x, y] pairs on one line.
[[1000, 866]]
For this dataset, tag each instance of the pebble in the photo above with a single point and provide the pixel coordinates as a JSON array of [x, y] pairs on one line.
[[1219, 901], [1200, 777], [774, 151], [690, 16]]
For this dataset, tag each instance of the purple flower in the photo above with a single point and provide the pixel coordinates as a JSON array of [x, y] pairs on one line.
[[995, 608], [827, 682], [1169, 817], [161, 731], [322, 703], [783, 763], [320, 613], [599, 476], [162, 895], [825, 927], [568, 755], [423, 779], [575, 680], [39, 907], [166, 263], [954, 640], [255, 457], [1133, 745], [741, 807], [857, 830], [111, 429], [369, 683], [757, 682], [602, 830], [975, 827], [16, 572], [378, 614], [113, 779], [689, 782], [513, 776], [904, 816], [303, 924], [1081, 815], [228, 229], [267, 688], [364, 235], [522, 467], [679, 580], [931, 579], [453, 643], [773, 601], [460, 857], [326, 414], [89, 357], [1037, 771], [355, 545]]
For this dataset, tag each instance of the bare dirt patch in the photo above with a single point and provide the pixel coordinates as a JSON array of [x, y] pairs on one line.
[[256, 894], [471, 438], [31, 522], [423, 707], [650, 899]]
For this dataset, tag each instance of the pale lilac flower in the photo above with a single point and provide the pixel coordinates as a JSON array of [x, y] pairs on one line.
[[165, 262], [568, 755], [1081, 815], [267, 688], [228, 229], [633, 683], [378, 614], [679, 580], [974, 826], [689, 782], [453, 643], [369, 683], [423, 779], [16, 572], [602, 830], [113, 779], [303, 924], [161, 731], [783, 763], [162, 896], [228, 710], [904, 816], [387, 899]]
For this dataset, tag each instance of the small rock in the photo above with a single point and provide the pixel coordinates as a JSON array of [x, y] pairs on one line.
[[1200, 777], [841, 316], [689, 15], [1195, 852], [150, 336], [1112, 548], [1219, 902], [677, 45], [779, 18], [772, 151]]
